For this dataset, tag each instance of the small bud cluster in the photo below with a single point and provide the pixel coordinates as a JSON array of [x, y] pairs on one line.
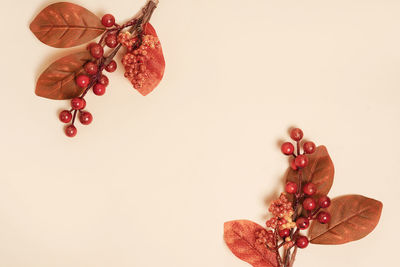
[[282, 211], [136, 58], [284, 220], [266, 237]]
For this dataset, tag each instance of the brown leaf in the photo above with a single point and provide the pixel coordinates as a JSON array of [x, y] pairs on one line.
[[65, 25], [240, 238], [319, 170], [58, 80], [352, 218]]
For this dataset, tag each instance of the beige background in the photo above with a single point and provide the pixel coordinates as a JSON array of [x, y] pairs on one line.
[[152, 180]]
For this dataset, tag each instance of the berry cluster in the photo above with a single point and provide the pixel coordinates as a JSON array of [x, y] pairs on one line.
[[93, 77], [288, 216], [304, 191]]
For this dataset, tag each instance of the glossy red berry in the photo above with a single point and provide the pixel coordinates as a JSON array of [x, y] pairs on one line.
[[99, 89], [65, 116], [309, 147], [284, 232], [293, 165], [103, 80], [309, 189], [82, 81], [324, 202], [89, 46], [291, 187], [70, 130], [112, 66], [111, 40], [302, 242], [324, 217], [91, 68], [96, 51], [287, 148], [301, 161], [296, 134], [85, 117], [309, 203], [108, 20], [302, 223], [78, 103]]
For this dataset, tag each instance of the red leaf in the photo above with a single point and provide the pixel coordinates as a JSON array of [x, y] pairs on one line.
[[58, 80], [155, 64], [240, 238], [319, 171], [352, 218], [65, 25]]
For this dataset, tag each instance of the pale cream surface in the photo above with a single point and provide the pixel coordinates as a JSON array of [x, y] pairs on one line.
[[152, 179]]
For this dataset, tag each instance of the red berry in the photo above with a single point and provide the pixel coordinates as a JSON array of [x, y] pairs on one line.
[[287, 148], [296, 134], [111, 40], [78, 103], [324, 202], [70, 130], [82, 81], [301, 161], [309, 147], [99, 89], [96, 51], [302, 242], [293, 165], [85, 117], [309, 189], [324, 217], [103, 80], [309, 203], [302, 223], [112, 66], [291, 187], [91, 68], [284, 232], [65, 116], [89, 46], [108, 20]]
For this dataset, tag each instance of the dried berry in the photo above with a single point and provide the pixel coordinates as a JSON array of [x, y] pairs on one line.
[[309, 189], [78, 103], [302, 242], [324, 202], [65, 116], [302, 223], [85, 117], [296, 134], [291, 187], [309, 204], [287, 148], [70, 131], [301, 161], [324, 217]]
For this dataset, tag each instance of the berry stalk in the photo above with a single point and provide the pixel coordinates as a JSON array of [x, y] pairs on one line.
[[95, 79]]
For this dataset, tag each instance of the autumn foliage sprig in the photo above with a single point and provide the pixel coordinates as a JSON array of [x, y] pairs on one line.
[[303, 206], [65, 25]]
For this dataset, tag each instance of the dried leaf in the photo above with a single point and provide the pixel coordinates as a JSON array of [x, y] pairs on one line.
[[320, 171], [240, 238], [58, 80], [65, 25], [352, 218], [155, 64]]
